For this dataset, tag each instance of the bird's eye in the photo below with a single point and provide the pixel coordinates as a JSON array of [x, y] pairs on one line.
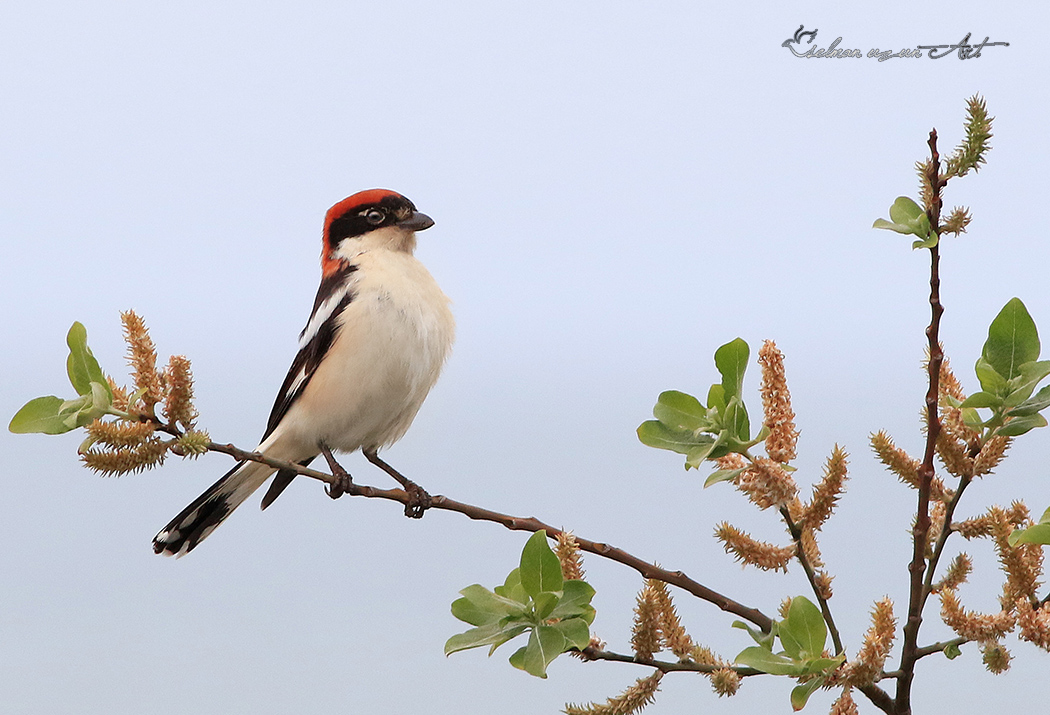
[[375, 217]]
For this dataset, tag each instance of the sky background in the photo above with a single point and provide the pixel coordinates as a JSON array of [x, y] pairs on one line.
[[619, 188]]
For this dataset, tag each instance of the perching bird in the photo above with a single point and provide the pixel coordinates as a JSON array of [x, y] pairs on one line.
[[373, 347]]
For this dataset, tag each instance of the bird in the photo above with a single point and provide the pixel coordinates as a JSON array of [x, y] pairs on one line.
[[379, 334]]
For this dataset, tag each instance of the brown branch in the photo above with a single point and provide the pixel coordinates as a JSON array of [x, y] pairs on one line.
[[592, 653], [917, 567], [942, 539], [825, 609], [879, 698], [515, 523]]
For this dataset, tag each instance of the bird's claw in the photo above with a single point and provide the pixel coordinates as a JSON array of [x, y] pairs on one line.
[[418, 501], [339, 488], [342, 484]]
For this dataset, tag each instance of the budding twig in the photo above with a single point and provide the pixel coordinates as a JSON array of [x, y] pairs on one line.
[[917, 568], [811, 575]]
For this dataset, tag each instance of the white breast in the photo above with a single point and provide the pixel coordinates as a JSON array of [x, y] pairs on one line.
[[391, 344]]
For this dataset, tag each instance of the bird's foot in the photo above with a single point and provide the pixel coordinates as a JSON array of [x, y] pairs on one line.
[[418, 501], [343, 482]]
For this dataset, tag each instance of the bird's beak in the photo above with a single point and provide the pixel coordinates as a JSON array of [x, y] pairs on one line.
[[416, 222]]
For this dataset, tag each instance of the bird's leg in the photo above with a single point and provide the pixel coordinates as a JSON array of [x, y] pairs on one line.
[[343, 481], [418, 499]]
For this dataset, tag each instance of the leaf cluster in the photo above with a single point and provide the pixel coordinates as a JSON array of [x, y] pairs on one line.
[[1009, 371], [908, 217], [535, 599], [803, 636], [127, 443], [53, 415], [686, 426]]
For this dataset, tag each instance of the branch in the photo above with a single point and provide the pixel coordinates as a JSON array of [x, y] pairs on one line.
[[942, 539], [515, 523], [938, 647], [825, 609], [592, 653], [917, 567], [879, 698]]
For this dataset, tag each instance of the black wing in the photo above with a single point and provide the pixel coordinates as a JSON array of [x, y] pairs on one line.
[[333, 295]]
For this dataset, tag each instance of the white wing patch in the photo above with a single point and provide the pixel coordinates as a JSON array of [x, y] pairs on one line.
[[323, 313], [298, 381]]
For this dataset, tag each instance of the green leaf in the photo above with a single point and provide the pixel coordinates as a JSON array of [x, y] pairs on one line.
[[680, 411], [983, 399], [800, 693], [575, 602], [929, 241], [705, 447], [545, 644], [480, 606], [1022, 386], [761, 659], [735, 420], [764, 639], [1012, 340], [652, 433], [1037, 403], [544, 605], [1020, 425], [823, 665], [81, 365], [723, 475], [1045, 518], [952, 651], [731, 361], [907, 217], [972, 419], [41, 416], [513, 630], [1038, 534], [540, 568], [101, 397], [575, 632], [889, 225], [517, 658], [803, 633], [716, 398], [991, 380], [512, 589], [494, 635], [905, 211]]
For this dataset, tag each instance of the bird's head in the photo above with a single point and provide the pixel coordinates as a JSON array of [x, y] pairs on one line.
[[370, 219]]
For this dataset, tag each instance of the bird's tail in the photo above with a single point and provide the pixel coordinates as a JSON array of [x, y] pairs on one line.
[[199, 519]]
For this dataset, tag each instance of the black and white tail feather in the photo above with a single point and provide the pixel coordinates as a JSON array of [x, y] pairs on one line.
[[206, 512], [377, 337]]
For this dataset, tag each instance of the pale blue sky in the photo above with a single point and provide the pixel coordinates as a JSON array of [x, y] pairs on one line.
[[619, 188]]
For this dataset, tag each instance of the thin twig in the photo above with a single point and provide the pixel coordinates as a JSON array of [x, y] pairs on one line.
[[592, 653], [942, 539], [825, 609], [515, 523], [938, 647]]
